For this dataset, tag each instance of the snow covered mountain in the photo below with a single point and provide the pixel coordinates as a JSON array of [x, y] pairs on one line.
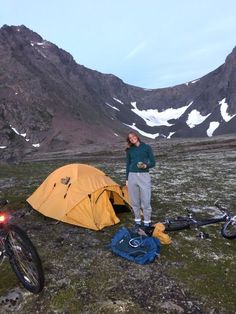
[[49, 102]]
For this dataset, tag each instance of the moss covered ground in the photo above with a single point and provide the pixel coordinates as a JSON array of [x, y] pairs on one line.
[[193, 275]]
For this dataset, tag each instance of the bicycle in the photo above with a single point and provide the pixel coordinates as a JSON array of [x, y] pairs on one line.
[[16, 246], [228, 229]]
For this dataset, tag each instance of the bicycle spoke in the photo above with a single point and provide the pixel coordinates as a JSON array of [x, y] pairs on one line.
[[229, 229], [23, 259]]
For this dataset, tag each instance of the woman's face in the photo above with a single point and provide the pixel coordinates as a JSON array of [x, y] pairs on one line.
[[133, 138]]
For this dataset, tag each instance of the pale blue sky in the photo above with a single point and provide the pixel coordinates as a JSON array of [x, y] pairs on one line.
[[146, 43]]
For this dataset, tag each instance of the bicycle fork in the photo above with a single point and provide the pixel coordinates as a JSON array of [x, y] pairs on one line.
[[2, 250]]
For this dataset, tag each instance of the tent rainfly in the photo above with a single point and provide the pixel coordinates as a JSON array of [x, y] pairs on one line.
[[80, 194]]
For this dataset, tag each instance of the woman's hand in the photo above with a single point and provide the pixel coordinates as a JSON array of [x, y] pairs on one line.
[[126, 182], [141, 165]]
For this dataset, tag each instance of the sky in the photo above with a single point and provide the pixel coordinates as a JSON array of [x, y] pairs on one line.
[[146, 43]]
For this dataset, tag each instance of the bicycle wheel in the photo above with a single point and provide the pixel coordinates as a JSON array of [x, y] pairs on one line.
[[228, 230], [24, 259], [179, 223]]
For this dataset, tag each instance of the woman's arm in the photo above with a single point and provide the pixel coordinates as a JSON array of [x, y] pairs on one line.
[[151, 161], [127, 163]]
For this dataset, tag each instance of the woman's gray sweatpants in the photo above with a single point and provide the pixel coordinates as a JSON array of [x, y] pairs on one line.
[[139, 187]]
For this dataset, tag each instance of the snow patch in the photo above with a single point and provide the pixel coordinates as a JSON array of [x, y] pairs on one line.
[[223, 110], [192, 82], [195, 118], [36, 145], [170, 134], [113, 107], [32, 43], [212, 127], [2, 147], [18, 133], [195, 81], [153, 117], [149, 135], [40, 52], [116, 134], [15, 130], [118, 100]]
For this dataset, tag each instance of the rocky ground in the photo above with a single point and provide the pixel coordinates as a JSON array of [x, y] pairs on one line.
[[82, 275]]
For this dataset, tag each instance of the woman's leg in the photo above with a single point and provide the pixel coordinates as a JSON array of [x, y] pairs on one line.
[[134, 195], [145, 191]]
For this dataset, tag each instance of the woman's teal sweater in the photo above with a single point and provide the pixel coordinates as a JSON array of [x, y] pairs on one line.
[[135, 154]]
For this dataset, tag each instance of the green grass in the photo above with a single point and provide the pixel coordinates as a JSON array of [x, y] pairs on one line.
[[8, 278], [65, 300], [205, 268]]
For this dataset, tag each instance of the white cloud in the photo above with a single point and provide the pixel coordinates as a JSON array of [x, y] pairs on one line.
[[136, 50]]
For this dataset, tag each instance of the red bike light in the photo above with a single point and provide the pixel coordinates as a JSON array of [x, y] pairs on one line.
[[2, 218]]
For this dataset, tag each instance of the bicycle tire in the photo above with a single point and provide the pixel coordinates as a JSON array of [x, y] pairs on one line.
[[177, 224], [24, 259], [228, 230]]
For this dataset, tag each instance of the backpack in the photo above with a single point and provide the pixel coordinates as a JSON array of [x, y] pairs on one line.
[[134, 247]]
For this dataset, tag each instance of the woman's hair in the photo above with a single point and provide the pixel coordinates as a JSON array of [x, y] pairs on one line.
[[129, 144]]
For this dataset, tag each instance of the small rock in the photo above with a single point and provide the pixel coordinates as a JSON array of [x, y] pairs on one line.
[[10, 302], [168, 305]]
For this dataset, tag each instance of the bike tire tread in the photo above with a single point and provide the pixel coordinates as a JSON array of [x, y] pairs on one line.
[[28, 245]]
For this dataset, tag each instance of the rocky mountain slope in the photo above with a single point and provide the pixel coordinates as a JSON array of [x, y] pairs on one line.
[[49, 102]]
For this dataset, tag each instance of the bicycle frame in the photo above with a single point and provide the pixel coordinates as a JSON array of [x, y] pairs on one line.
[[4, 220], [228, 229], [3, 235], [203, 222]]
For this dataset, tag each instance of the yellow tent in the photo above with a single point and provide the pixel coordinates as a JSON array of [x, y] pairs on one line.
[[80, 194]]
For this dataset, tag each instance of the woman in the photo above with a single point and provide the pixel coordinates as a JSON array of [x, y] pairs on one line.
[[139, 158]]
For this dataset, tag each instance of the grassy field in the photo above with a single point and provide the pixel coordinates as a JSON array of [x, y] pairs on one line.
[[193, 275]]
